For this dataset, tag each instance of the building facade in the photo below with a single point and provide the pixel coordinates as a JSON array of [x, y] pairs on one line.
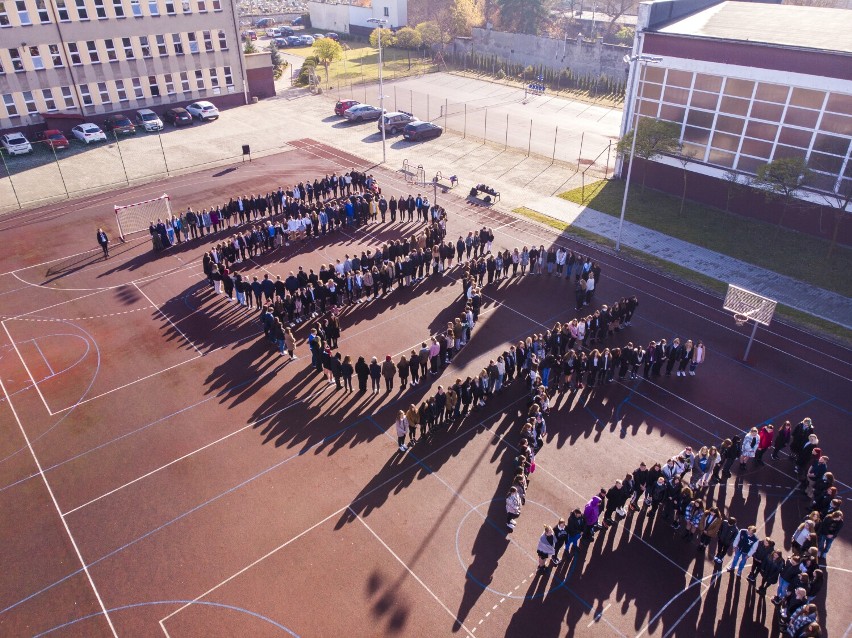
[[348, 18], [93, 57], [748, 83]]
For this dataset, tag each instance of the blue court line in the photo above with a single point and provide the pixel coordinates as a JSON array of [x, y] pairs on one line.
[[170, 602], [787, 411], [663, 421]]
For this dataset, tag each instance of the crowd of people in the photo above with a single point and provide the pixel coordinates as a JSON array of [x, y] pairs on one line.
[[680, 487]]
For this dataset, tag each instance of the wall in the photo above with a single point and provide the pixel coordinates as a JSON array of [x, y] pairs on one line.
[[583, 58], [261, 83], [329, 17]]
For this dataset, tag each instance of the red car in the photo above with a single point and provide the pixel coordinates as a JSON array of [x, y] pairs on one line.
[[344, 105], [53, 137]]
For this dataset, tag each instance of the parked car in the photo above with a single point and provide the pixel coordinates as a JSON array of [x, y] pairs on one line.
[[16, 144], [395, 122], [333, 36], [281, 42], [249, 35], [147, 119], [341, 107], [417, 131], [178, 117], [293, 40], [285, 31], [306, 40], [119, 123], [265, 23], [53, 138], [362, 113], [203, 110], [88, 133], [273, 33], [297, 22]]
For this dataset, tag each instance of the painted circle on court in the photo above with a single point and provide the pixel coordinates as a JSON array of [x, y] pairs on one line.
[[498, 528]]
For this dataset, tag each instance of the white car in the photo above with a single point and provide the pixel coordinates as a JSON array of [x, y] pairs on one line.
[[88, 133], [203, 110], [147, 119], [16, 144]]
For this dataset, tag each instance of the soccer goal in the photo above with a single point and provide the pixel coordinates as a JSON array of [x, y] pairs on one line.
[[134, 218]]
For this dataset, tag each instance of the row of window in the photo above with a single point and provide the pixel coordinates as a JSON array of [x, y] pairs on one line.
[[118, 91], [110, 50], [23, 12]]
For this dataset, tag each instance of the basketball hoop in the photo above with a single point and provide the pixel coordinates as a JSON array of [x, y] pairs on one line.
[[740, 320]]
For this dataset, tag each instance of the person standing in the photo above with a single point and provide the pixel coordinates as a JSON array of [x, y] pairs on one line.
[[828, 530], [546, 547], [388, 372], [103, 240], [576, 527], [764, 443], [401, 429], [561, 534], [513, 507], [346, 371], [745, 546], [780, 439], [727, 535]]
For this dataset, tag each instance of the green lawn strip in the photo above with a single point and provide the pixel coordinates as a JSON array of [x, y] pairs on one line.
[[787, 252], [681, 273], [361, 64]]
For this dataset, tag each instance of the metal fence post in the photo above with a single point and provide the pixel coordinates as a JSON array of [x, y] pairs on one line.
[[411, 101], [394, 99], [579, 157], [163, 150], [529, 142], [608, 149], [11, 183], [506, 142], [555, 137], [464, 130], [485, 133], [427, 107], [446, 108]]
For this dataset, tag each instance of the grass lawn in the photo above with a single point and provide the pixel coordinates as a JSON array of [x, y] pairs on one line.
[[791, 315], [361, 64], [787, 252]]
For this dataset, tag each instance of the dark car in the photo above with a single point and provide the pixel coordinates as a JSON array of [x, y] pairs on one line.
[[297, 21], [119, 123], [333, 36], [417, 131], [285, 31], [341, 107], [178, 117]]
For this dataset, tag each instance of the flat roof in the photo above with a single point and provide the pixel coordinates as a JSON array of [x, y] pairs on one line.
[[776, 24]]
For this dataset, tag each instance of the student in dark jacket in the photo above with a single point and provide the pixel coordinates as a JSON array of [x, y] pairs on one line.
[[375, 374], [560, 532], [727, 535], [770, 570], [363, 372], [576, 527], [764, 550]]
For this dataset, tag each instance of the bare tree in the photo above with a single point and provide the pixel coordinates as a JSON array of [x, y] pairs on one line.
[[782, 179], [685, 158], [615, 9], [839, 201]]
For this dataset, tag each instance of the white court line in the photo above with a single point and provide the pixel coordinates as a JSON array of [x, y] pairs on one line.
[[24, 363], [410, 571], [52, 373], [598, 615], [58, 511], [167, 318], [188, 454]]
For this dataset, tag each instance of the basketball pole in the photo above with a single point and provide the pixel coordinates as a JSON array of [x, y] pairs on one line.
[[750, 341]]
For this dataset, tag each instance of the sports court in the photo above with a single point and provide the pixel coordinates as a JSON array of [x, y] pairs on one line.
[[164, 472]]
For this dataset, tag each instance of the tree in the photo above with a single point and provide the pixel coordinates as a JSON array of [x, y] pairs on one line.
[[408, 39], [523, 16], [388, 38], [736, 184], [278, 63], [782, 179], [615, 9], [249, 47], [327, 51], [685, 158], [839, 201], [624, 36], [655, 137], [431, 34], [464, 15]]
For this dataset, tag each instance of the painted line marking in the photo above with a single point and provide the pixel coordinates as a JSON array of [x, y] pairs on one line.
[[598, 615], [167, 318], [24, 363], [47, 363]]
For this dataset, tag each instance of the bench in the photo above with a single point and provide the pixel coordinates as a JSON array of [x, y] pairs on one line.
[[485, 193]]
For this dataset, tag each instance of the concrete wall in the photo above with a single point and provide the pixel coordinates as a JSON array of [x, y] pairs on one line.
[[583, 58], [261, 83], [338, 17], [329, 17]]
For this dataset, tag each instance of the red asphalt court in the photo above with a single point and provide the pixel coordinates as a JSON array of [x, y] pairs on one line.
[[163, 472]]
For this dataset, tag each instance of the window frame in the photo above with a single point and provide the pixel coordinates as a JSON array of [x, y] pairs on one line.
[[92, 51], [29, 104], [62, 10], [177, 44], [37, 60], [10, 105], [74, 54], [103, 90], [121, 91], [192, 39], [23, 13], [82, 10], [100, 9], [17, 60], [118, 9], [127, 45], [109, 45], [153, 86], [85, 95], [68, 97], [47, 97]]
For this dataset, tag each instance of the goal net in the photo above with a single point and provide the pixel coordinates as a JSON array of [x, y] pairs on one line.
[[135, 218]]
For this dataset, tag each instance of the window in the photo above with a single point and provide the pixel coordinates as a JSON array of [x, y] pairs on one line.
[[229, 78], [177, 43], [74, 54], [136, 8], [208, 41], [202, 6], [9, 103], [185, 6], [43, 15], [161, 44], [110, 49], [170, 7], [23, 14], [100, 10], [217, 5], [92, 48], [223, 41], [214, 79], [152, 84], [184, 82], [153, 8], [82, 11], [2, 68], [103, 92], [137, 88], [85, 95], [143, 43], [199, 79], [35, 55], [62, 10], [29, 103], [68, 97], [387, 12], [17, 62], [127, 45], [49, 102], [55, 56], [4, 15], [193, 42], [121, 91], [118, 8], [170, 85]]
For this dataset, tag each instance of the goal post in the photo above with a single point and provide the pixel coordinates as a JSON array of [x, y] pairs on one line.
[[135, 218]]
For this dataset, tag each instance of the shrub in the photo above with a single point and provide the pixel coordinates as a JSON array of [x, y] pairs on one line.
[[501, 74]]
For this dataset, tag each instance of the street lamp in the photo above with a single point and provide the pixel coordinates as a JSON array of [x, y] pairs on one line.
[[644, 61], [381, 22]]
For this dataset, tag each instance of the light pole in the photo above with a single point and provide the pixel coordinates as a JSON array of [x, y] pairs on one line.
[[381, 23], [644, 61]]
